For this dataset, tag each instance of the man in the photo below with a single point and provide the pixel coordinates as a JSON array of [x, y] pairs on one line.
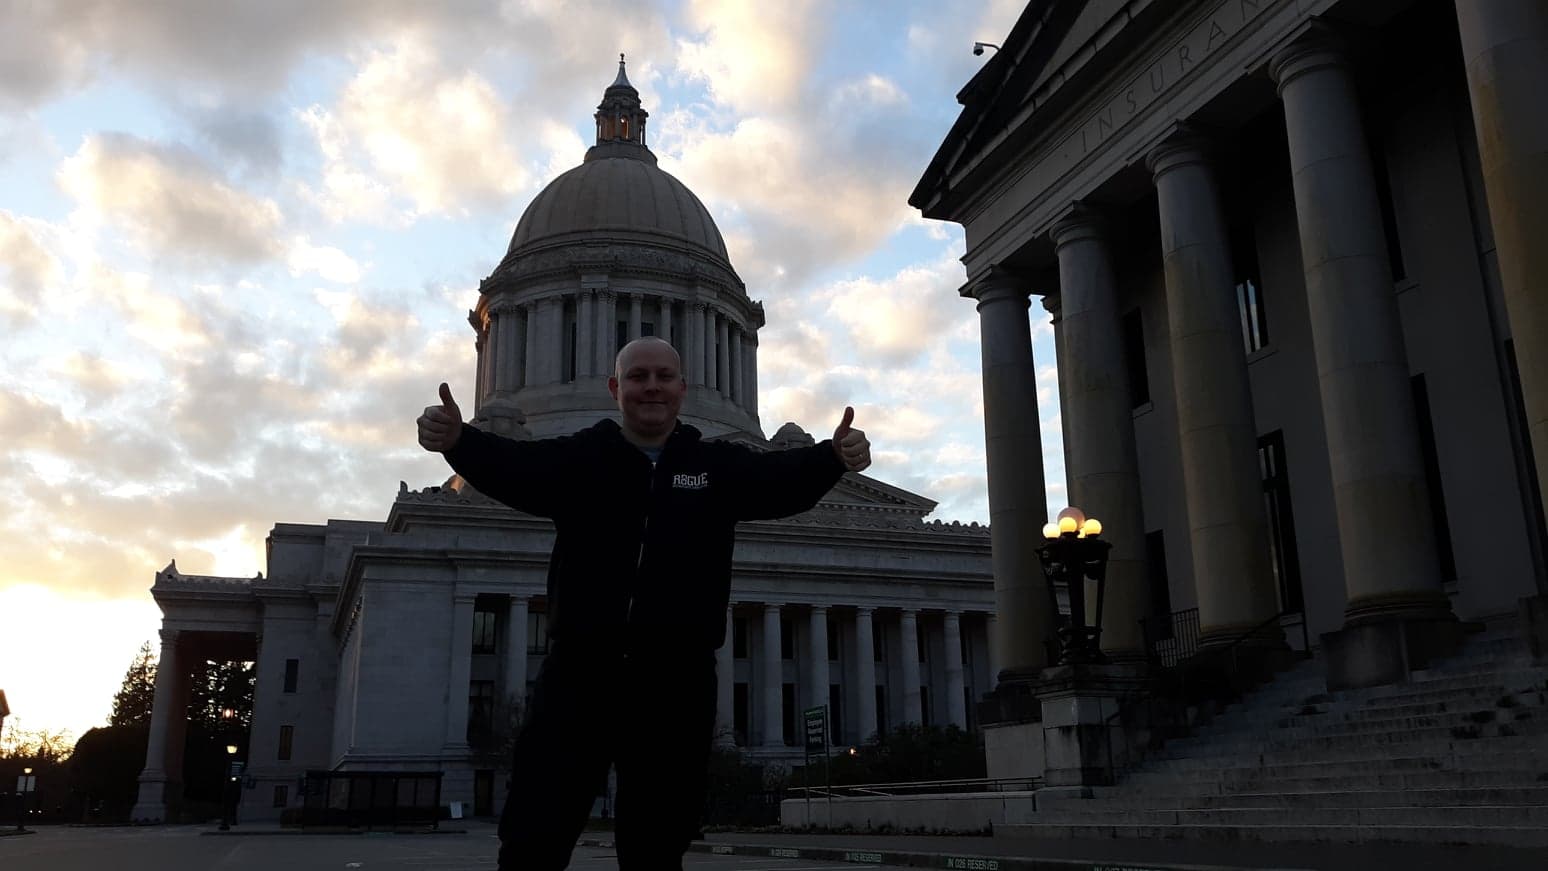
[[644, 513]]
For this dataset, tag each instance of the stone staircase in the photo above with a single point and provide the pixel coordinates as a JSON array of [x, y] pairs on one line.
[[1456, 755]]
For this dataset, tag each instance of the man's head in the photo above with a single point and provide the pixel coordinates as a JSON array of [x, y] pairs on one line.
[[648, 384]]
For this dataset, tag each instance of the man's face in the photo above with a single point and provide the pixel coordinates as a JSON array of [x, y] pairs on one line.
[[649, 388]]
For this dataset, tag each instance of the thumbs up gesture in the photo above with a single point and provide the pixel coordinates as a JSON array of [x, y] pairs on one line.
[[441, 425], [853, 450]]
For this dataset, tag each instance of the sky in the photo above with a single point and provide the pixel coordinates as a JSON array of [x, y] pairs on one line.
[[239, 241]]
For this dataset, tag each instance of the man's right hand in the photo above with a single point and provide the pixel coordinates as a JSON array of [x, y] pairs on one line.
[[441, 425]]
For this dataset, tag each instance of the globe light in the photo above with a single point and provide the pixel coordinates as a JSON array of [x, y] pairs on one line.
[[1068, 524], [1050, 530], [1092, 526], [231, 749]]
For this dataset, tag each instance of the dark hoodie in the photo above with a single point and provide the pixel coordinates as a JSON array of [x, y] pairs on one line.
[[642, 556]]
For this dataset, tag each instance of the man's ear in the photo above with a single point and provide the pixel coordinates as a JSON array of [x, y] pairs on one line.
[[612, 385]]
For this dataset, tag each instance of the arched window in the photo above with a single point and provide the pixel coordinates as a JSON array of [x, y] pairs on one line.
[[625, 122]]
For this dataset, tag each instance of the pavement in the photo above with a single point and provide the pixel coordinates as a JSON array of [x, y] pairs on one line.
[[472, 847]]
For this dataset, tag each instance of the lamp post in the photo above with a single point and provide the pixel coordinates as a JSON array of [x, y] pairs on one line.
[[1075, 557], [22, 788], [228, 792]]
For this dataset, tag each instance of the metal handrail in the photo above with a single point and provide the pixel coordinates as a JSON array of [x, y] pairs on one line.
[[1132, 700]]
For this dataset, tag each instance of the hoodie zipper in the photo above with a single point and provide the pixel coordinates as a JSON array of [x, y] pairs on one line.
[[639, 559]]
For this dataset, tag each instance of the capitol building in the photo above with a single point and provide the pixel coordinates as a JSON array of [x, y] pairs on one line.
[[396, 646]]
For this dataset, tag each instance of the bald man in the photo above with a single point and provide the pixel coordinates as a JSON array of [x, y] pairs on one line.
[[644, 513]]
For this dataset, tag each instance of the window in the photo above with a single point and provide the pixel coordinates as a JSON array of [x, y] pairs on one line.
[[1133, 327], [537, 632], [647, 328], [788, 711], [623, 336], [881, 710], [1160, 586], [924, 706], [739, 714], [786, 639], [483, 632], [292, 674], [481, 694], [833, 641], [835, 704], [739, 637], [1249, 286], [1443, 549], [878, 643], [572, 342], [922, 644], [1388, 211], [1249, 302], [286, 740], [281, 795], [1281, 521], [969, 708]]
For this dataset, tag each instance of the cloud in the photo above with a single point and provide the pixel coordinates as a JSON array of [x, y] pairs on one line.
[[325, 260], [26, 268], [896, 320], [751, 55], [171, 201]]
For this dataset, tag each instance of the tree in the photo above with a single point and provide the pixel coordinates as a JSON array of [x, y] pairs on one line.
[[135, 698], [219, 687]]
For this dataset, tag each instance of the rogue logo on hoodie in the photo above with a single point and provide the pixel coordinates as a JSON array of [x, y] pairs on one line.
[[691, 482]]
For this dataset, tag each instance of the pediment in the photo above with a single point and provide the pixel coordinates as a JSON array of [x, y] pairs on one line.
[[858, 489], [1050, 39]]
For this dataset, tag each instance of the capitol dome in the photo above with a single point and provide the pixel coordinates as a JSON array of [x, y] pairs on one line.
[[622, 196], [610, 251]]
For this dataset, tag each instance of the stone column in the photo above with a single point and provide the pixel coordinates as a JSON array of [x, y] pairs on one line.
[[694, 359], [510, 347], [956, 698], [991, 638], [551, 337], [908, 640], [723, 356], [1227, 528], [636, 315], [865, 672], [1505, 49], [585, 334], [459, 672], [485, 352], [1018, 501], [664, 323], [734, 390], [516, 651], [1386, 531], [1102, 463], [773, 680], [751, 373], [725, 687], [531, 344], [711, 352], [817, 673], [607, 331], [157, 790]]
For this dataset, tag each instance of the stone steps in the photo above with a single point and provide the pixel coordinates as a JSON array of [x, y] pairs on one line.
[[1507, 836], [1529, 796], [1457, 754]]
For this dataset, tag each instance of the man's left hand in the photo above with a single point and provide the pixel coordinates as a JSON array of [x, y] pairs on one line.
[[853, 450]]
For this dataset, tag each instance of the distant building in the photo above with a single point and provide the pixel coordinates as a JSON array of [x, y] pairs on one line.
[[403, 645]]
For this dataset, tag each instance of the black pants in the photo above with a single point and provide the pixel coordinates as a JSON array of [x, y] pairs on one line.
[[652, 718]]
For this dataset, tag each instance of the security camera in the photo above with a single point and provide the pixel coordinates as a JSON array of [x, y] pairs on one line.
[[978, 47]]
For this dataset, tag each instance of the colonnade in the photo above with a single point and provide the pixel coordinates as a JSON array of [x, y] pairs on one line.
[[571, 335]]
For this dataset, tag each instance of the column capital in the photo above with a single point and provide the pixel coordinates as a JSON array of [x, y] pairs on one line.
[[168, 636], [1082, 222], [867, 611], [1053, 303], [519, 599], [998, 285], [819, 609], [1319, 46], [771, 606], [1187, 144], [606, 294]]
